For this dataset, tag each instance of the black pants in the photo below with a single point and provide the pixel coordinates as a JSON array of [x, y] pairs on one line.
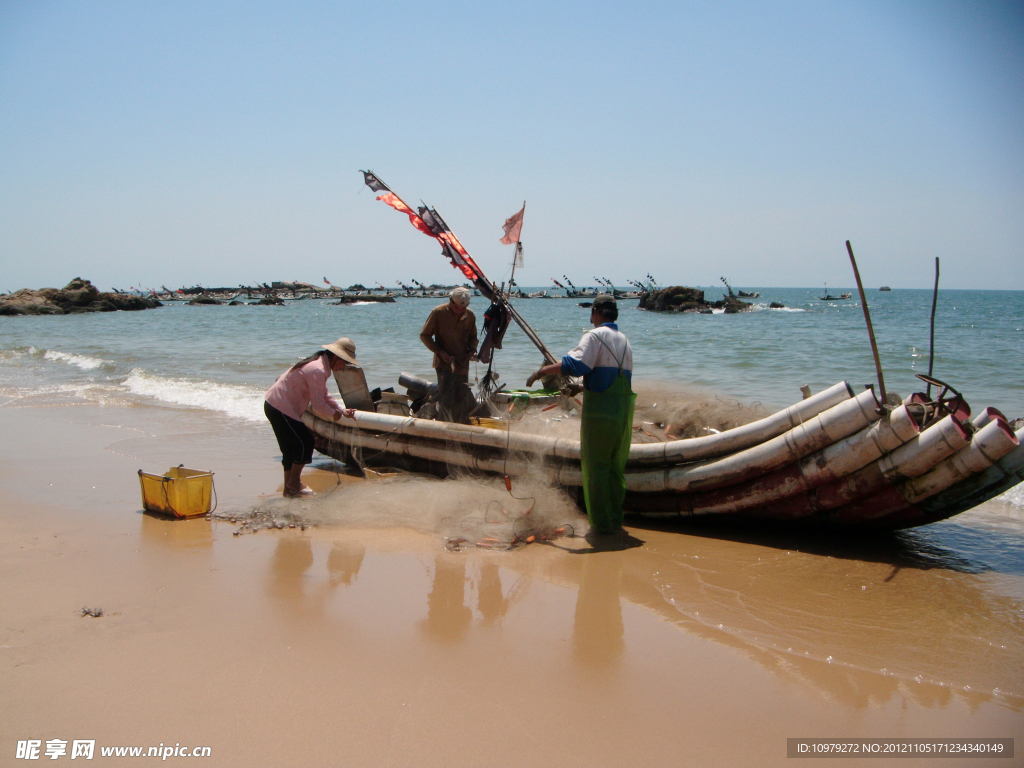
[[454, 398], [293, 437]]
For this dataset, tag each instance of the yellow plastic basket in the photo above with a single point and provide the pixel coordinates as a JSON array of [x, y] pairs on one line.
[[179, 492]]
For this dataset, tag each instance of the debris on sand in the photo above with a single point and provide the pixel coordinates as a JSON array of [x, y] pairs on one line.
[[259, 518]]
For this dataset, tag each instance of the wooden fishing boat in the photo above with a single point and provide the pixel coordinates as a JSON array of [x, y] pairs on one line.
[[833, 459]]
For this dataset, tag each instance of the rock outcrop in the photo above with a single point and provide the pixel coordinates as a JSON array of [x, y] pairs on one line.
[[76, 297], [679, 298]]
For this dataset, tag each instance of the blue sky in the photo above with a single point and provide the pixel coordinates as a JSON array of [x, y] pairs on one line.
[[219, 143]]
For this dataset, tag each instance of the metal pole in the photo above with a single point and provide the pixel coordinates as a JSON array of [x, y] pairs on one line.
[[867, 318], [931, 343]]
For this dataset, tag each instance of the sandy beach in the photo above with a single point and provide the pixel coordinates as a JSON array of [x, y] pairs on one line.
[[783, 204], [359, 642]]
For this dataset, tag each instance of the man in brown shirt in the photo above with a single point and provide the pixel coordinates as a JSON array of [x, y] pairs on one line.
[[450, 333]]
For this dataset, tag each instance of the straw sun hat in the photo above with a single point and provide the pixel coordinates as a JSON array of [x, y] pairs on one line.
[[344, 348]]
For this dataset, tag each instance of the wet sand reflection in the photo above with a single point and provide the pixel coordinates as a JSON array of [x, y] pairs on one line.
[[191, 533], [858, 629], [598, 637], [491, 600], [448, 616], [345, 560], [858, 624], [862, 626], [293, 556]]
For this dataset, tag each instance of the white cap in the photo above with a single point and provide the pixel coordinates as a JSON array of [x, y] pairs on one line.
[[461, 296]]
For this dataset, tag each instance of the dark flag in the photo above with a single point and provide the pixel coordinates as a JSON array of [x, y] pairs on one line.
[[429, 220], [390, 198], [375, 184]]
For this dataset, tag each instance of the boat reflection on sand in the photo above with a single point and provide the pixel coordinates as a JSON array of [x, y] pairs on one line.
[[932, 615], [860, 622]]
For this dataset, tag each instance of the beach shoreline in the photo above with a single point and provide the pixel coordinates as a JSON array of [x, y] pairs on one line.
[[375, 645]]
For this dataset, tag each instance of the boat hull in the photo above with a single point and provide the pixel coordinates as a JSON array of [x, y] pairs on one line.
[[833, 460]]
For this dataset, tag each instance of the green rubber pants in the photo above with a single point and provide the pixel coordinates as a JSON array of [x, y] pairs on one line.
[[605, 434]]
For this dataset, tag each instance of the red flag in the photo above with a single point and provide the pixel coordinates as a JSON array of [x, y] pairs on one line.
[[513, 226], [395, 202], [450, 245]]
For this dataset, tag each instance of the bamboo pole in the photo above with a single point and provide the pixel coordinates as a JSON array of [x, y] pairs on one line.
[[931, 342], [515, 252], [867, 318]]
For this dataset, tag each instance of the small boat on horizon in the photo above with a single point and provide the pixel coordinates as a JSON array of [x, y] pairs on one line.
[[830, 297], [739, 294]]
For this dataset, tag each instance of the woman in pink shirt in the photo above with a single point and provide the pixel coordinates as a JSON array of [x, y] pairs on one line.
[[303, 386]]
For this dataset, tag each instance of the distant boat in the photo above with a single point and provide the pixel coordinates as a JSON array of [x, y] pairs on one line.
[[885, 288], [741, 294], [830, 297]]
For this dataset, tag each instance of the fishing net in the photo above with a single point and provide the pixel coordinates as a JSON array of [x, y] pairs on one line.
[[463, 512]]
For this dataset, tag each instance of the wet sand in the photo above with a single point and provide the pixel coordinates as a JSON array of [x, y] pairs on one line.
[[359, 643]]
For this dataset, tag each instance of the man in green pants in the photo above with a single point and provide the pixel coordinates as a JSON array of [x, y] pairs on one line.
[[605, 361]]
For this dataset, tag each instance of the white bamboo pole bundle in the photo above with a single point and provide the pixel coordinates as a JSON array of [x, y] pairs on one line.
[[840, 421], [418, 438], [988, 445], [826, 465]]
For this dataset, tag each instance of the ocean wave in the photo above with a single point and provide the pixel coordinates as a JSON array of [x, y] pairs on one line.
[[12, 354], [1014, 496], [236, 401], [83, 362], [61, 394]]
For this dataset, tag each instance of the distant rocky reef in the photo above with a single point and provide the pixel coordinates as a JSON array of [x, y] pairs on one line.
[[74, 298], [678, 298]]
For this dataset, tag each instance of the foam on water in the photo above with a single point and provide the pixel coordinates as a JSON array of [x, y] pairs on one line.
[[1014, 496], [83, 362], [236, 401]]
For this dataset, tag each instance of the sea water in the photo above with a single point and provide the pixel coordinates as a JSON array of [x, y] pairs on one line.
[[215, 362], [224, 357]]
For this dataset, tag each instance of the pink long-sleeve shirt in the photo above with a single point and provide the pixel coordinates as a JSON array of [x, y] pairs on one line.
[[302, 387]]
